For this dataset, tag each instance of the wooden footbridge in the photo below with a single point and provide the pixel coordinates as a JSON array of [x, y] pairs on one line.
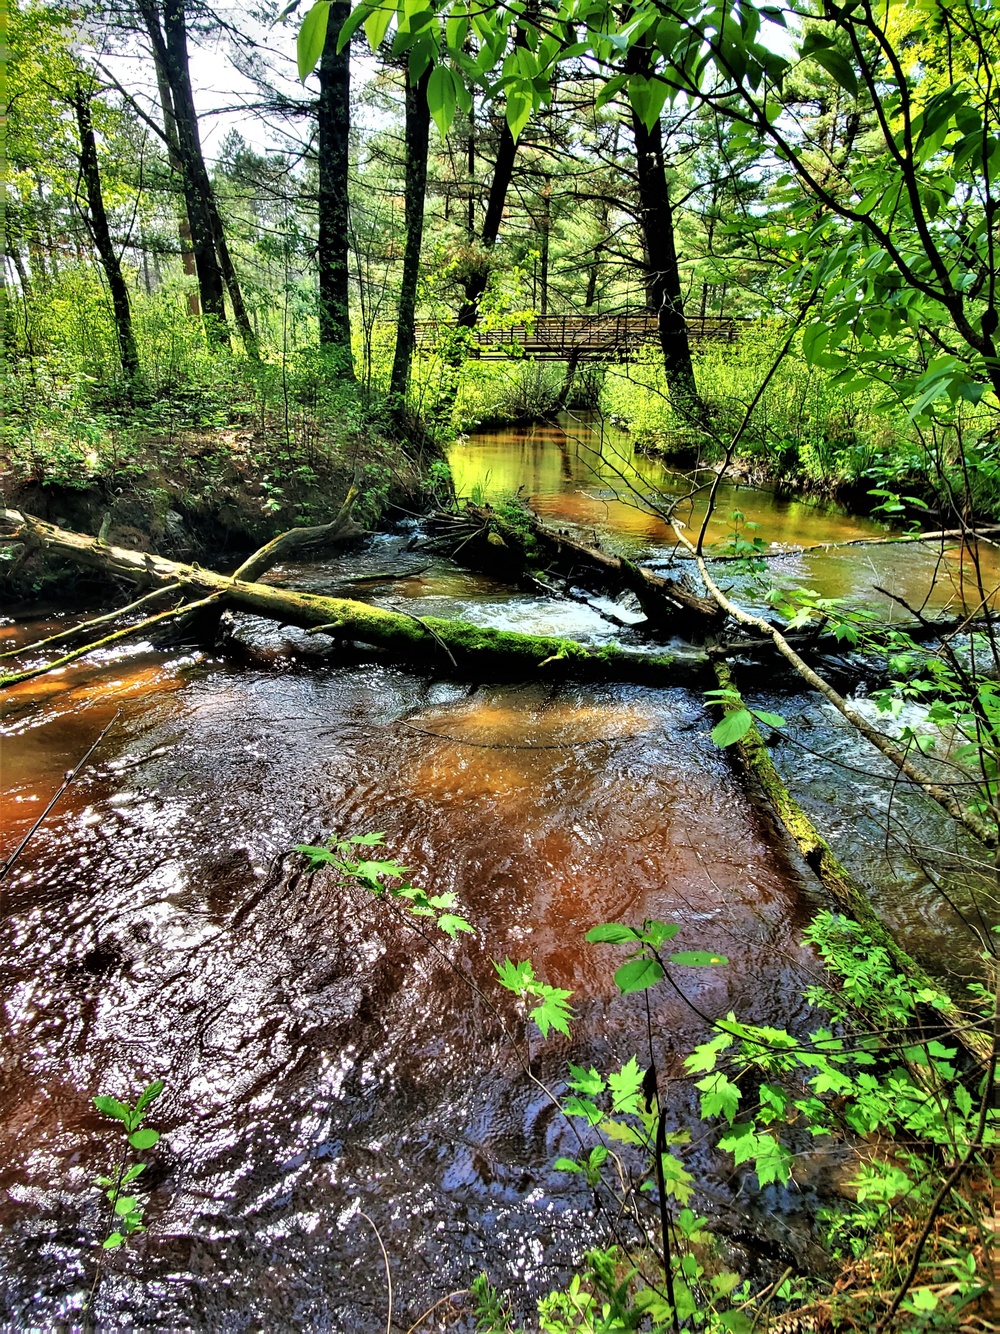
[[612, 337]]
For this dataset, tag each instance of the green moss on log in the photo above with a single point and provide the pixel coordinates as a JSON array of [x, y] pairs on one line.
[[849, 895]]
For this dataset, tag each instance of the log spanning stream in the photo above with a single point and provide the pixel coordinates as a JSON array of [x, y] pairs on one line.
[[321, 1061]]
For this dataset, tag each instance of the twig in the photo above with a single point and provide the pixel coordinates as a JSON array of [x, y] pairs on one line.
[[388, 1273], [90, 625], [68, 778], [945, 799], [115, 638], [433, 633], [762, 1310], [462, 1292], [953, 1176]]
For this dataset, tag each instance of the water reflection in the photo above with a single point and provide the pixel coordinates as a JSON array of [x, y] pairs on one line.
[[584, 473]]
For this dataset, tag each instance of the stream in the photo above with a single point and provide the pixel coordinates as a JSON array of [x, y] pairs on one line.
[[330, 1074]]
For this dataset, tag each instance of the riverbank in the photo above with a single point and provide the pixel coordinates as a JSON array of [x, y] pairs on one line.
[[212, 496], [809, 435]]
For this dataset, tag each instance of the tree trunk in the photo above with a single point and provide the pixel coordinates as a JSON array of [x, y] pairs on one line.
[[334, 114], [418, 123], [99, 229], [664, 296], [174, 152], [849, 896], [170, 50], [503, 172], [424, 644]]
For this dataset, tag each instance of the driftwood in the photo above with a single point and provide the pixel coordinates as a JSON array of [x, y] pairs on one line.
[[423, 643], [482, 537], [846, 892]]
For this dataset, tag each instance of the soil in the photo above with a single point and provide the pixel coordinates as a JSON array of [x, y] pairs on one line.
[[212, 497]]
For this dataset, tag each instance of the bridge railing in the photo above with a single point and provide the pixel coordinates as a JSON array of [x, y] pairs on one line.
[[556, 337]]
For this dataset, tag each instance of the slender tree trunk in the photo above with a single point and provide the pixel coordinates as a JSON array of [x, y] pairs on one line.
[[546, 229], [334, 131], [664, 296], [418, 122], [170, 50], [663, 279], [98, 222], [170, 133], [574, 357], [502, 174]]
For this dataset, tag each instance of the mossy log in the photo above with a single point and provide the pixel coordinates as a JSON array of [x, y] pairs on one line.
[[421, 643], [850, 896], [514, 546]]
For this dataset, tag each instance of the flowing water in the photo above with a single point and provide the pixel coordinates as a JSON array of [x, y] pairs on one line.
[[332, 1077]]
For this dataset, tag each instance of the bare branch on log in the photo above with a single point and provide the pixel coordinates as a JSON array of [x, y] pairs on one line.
[[945, 799], [86, 626], [833, 875], [297, 540], [15, 679]]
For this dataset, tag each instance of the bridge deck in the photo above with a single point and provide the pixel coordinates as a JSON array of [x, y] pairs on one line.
[[590, 337]]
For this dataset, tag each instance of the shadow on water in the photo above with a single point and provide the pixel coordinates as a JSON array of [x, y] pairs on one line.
[[321, 1059]]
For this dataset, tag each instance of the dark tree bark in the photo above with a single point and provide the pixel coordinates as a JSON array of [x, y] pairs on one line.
[[170, 135], [418, 123], [212, 259], [503, 172], [170, 51], [97, 220], [334, 114], [663, 279], [664, 296]]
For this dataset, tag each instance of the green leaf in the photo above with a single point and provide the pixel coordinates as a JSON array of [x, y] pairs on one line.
[[585, 1081], [566, 1165], [611, 933], [125, 1204], [734, 726], [625, 1086], [516, 977], [638, 975], [451, 925], [149, 1094], [838, 66], [698, 959], [144, 1139], [519, 107], [770, 719], [377, 24], [115, 1239], [585, 1108], [442, 97], [719, 1096], [112, 1107], [552, 1012], [312, 38], [657, 933]]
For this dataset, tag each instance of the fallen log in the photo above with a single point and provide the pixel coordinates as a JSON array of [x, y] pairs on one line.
[[421, 643], [846, 892], [512, 547]]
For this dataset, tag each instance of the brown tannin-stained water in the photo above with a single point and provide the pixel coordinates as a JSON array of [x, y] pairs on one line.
[[323, 1061]]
